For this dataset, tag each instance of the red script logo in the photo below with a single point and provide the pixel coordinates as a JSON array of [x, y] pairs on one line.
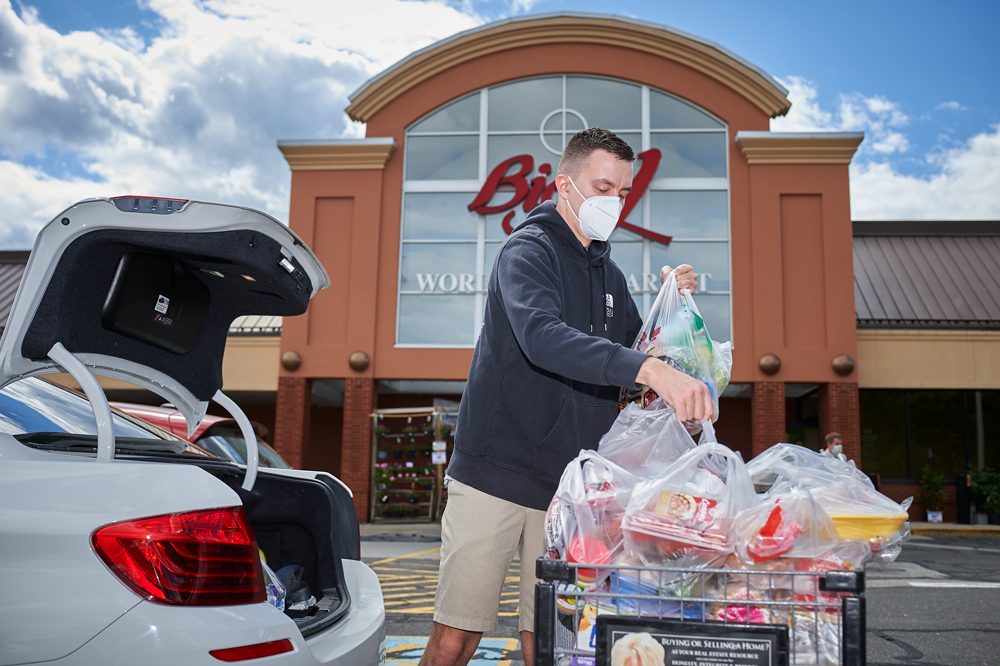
[[513, 172]]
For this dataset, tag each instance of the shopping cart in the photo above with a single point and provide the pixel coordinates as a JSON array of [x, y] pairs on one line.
[[698, 616]]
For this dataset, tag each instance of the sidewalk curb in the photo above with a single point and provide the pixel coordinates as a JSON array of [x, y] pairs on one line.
[[970, 530], [927, 529]]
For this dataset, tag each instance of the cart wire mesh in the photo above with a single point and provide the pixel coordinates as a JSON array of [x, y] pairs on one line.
[[823, 611]]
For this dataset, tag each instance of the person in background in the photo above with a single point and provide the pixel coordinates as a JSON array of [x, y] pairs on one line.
[[834, 447]]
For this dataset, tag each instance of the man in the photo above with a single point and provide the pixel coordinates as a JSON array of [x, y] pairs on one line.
[[834, 447], [544, 383]]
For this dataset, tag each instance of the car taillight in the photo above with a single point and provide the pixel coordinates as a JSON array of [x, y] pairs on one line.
[[201, 558]]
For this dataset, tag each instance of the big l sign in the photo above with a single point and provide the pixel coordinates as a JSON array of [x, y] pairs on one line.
[[513, 172]]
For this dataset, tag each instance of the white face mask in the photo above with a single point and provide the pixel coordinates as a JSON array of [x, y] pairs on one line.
[[598, 215], [837, 449]]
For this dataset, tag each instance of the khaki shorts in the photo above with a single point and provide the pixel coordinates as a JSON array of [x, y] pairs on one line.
[[480, 534]]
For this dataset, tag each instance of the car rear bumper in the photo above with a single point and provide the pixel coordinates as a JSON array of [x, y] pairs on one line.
[[155, 635]]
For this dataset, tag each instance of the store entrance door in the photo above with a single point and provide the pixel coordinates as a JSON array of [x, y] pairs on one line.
[[410, 449]]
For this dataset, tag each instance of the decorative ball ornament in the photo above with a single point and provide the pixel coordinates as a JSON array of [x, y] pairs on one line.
[[843, 364], [291, 360], [769, 364], [358, 361]]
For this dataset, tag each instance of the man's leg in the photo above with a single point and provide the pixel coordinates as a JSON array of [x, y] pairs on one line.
[[532, 547], [528, 647], [448, 646], [479, 536]]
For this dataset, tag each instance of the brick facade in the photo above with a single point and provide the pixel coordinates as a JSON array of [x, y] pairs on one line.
[[840, 411], [900, 491], [292, 409], [768, 422], [356, 447]]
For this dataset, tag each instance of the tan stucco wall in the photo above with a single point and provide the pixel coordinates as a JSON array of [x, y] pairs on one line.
[[928, 359], [251, 364]]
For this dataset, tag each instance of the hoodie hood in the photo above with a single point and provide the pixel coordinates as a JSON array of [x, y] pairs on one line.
[[546, 215], [595, 256]]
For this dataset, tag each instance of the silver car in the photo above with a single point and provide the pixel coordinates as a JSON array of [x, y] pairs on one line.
[[120, 544]]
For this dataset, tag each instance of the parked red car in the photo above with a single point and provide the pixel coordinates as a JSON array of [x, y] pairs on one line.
[[217, 434]]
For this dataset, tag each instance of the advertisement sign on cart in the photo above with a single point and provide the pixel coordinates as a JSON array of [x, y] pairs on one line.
[[623, 641]]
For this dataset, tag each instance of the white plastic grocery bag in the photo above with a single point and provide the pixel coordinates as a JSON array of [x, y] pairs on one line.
[[688, 511], [646, 441], [675, 332], [583, 522]]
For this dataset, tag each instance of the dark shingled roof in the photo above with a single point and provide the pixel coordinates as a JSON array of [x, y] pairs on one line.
[[927, 274], [11, 267]]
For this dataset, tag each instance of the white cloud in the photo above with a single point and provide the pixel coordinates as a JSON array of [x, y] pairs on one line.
[[964, 187], [878, 117], [806, 114], [965, 176], [521, 6], [950, 105], [891, 142], [196, 111], [32, 198]]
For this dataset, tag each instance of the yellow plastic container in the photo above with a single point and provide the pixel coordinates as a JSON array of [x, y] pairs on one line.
[[866, 527]]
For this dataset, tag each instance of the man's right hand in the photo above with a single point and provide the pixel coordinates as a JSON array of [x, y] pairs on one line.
[[688, 396]]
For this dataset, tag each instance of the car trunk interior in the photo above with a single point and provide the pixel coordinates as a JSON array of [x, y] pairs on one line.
[[295, 522]]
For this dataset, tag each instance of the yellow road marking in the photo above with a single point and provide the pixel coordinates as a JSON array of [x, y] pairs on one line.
[[419, 610], [426, 551], [400, 585], [410, 570], [421, 593]]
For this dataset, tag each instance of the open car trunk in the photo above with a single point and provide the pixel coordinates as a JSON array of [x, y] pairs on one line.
[[306, 522]]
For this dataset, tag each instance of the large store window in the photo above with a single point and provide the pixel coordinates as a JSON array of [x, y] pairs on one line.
[[904, 430], [447, 251]]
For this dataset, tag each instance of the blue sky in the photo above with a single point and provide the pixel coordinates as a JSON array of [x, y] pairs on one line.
[[190, 96]]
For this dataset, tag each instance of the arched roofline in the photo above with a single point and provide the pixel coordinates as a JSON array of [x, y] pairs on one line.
[[700, 55]]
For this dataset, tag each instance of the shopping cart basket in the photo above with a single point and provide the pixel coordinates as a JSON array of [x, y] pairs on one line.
[[698, 616]]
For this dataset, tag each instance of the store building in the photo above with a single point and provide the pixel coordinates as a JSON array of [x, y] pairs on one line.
[[461, 140], [886, 332]]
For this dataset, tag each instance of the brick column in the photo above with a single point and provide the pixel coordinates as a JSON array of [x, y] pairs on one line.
[[768, 415], [293, 406], [840, 411], [356, 448]]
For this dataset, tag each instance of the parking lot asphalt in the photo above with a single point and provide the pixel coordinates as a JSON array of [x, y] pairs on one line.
[[939, 603]]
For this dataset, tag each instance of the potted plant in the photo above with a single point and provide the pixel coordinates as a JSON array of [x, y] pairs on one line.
[[932, 495], [380, 430], [985, 488]]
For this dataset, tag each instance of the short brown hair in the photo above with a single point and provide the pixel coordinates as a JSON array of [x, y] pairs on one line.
[[587, 141], [832, 436]]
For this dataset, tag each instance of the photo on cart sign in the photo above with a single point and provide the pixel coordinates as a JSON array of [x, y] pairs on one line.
[[650, 642]]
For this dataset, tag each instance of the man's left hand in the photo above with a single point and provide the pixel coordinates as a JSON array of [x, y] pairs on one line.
[[687, 278]]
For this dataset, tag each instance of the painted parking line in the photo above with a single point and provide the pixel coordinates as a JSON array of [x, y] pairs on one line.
[[407, 650], [386, 560], [938, 546], [409, 585], [956, 584]]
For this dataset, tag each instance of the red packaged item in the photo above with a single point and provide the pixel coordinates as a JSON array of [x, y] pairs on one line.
[[775, 538]]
